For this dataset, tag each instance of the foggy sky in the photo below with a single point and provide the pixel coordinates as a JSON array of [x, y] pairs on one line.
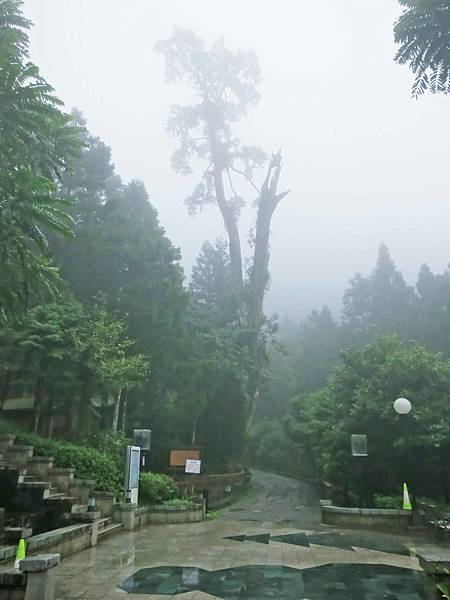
[[364, 162]]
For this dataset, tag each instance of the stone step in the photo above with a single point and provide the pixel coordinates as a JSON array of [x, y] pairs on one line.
[[79, 508], [109, 529], [42, 486], [45, 485], [55, 495], [61, 498], [27, 478]]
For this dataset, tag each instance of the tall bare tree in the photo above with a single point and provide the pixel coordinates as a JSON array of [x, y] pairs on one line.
[[225, 87]]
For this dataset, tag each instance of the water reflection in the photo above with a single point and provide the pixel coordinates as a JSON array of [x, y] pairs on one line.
[[253, 582]]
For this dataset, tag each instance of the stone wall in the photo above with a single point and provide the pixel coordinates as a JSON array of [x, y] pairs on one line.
[[64, 541], [175, 514], [133, 516], [367, 518], [221, 488]]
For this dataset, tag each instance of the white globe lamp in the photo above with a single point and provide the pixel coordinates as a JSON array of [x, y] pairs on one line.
[[402, 406]]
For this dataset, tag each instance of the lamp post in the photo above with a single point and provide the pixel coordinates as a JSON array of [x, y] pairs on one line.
[[402, 406]]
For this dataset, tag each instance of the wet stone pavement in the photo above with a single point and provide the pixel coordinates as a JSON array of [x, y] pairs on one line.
[[268, 545]]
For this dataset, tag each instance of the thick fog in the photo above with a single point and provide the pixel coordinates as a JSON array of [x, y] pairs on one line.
[[364, 162]]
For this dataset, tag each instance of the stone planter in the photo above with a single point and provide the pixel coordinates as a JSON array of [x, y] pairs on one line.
[[367, 518], [104, 502], [81, 489], [158, 514], [19, 455], [39, 466], [61, 478]]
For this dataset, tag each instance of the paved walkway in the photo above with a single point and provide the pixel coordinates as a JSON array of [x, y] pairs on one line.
[[274, 505]]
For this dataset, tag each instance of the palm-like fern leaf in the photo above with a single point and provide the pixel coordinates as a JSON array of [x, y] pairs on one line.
[[423, 33]]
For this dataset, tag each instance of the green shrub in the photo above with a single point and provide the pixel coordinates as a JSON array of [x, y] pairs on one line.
[[179, 502], [88, 463], [393, 502], [155, 488]]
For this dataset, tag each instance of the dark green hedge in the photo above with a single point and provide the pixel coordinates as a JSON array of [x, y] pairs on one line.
[[89, 463]]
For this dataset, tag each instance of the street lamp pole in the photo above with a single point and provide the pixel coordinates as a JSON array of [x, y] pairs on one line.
[[402, 406]]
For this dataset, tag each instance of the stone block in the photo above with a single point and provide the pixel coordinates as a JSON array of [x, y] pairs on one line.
[[19, 455], [81, 489], [38, 563], [39, 466], [12, 585], [61, 478], [104, 502], [6, 440], [325, 502], [40, 574]]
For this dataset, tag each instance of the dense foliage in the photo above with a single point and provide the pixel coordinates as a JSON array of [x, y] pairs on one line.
[[97, 327], [333, 378], [359, 400], [101, 465], [37, 142], [423, 32]]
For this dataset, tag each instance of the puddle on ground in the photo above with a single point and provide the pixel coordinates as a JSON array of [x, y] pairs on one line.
[[343, 541], [253, 582]]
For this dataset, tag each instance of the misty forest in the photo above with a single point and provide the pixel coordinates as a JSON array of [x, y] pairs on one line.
[[103, 328]]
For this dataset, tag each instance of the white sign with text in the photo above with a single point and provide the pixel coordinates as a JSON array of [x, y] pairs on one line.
[[193, 466]]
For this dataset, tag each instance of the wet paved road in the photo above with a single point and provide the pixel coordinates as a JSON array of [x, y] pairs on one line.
[[202, 561], [277, 500]]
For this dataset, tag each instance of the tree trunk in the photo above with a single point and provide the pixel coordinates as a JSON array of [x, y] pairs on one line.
[[268, 201], [37, 403], [83, 418], [5, 388], [231, 226], [115, 419], [124, 412], [229, 216], [50, 425], [259, 278], [194, 432]]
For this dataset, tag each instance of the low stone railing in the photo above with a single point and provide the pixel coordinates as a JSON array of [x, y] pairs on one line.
[[133, 516], [366, 518], [64, 541]]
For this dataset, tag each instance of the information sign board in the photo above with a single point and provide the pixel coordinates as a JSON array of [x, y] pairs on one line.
[[193, 466]]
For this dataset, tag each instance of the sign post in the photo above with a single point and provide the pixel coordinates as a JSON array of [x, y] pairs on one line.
[[143, 438], [360, 452], [194, 467], [132, 469]]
